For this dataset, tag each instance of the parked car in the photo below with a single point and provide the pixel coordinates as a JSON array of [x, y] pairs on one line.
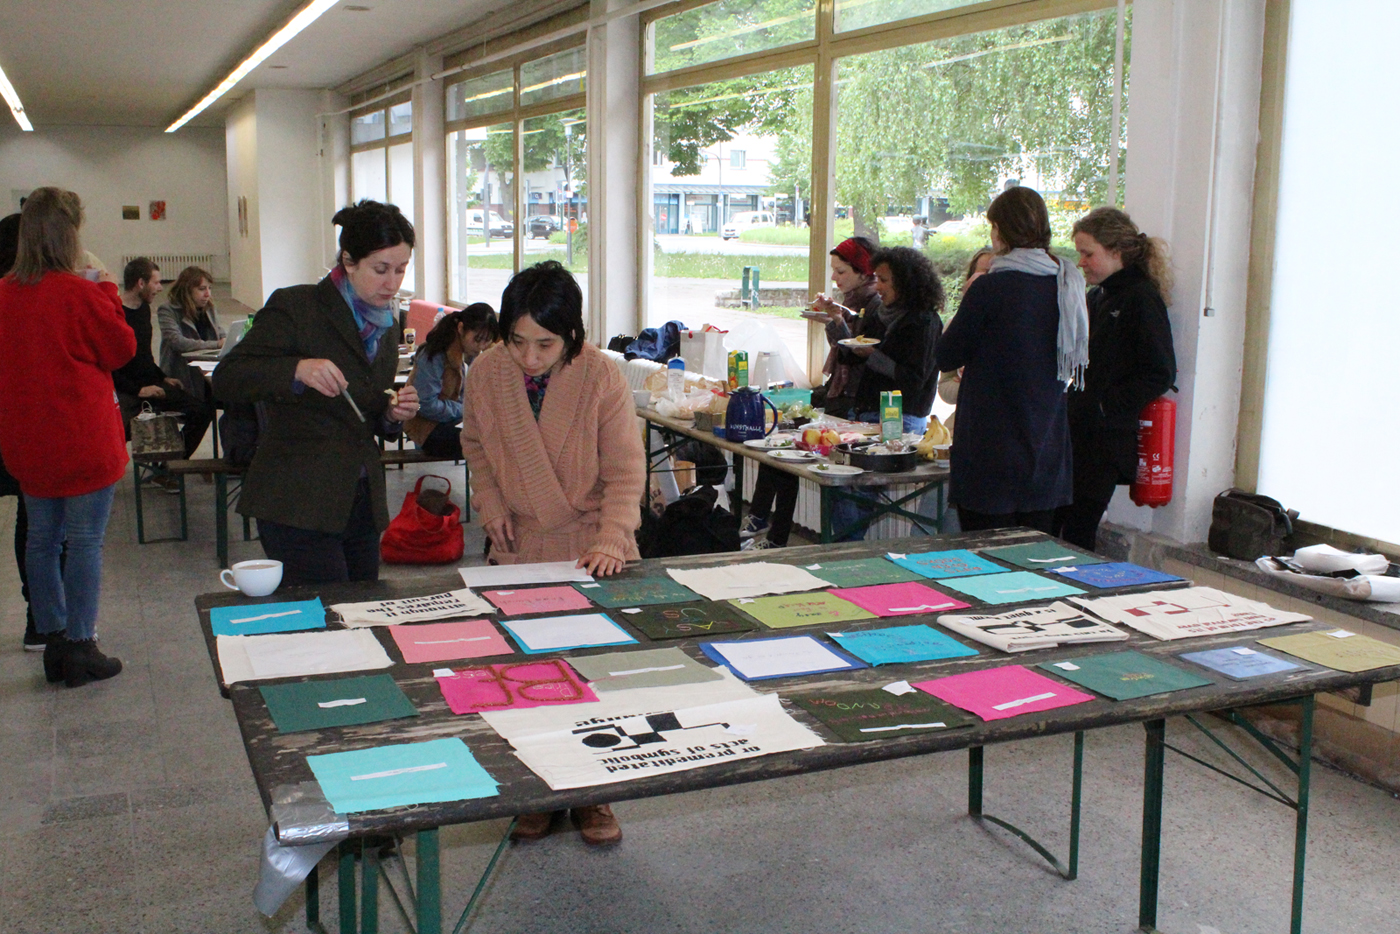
[[542, 225], [746, 220], [499, 227]]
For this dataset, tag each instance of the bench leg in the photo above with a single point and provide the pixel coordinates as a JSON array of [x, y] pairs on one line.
[[221, 518], [140, 515]]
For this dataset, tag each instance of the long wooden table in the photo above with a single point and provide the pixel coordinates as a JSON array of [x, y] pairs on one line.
[[925, 478], [278, 759]]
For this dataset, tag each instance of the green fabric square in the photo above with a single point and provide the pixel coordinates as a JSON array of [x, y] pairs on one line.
[[1042, 556], [862, 716], [641, 591], [862, 572], [1124, 675], [314, 705], [685, 620]]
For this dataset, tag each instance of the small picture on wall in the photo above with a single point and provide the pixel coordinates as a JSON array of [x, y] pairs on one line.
[[157, 210], [131, 212]]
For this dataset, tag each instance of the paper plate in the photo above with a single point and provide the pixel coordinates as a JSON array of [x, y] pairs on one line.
[[772, 442], [835, 470], [787, 455], [856, 342]]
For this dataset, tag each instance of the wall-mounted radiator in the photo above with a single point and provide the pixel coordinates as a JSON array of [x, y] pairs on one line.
[[171, 263]]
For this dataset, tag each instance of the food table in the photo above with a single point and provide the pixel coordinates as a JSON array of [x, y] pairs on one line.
[[926, 479], [279, 760]]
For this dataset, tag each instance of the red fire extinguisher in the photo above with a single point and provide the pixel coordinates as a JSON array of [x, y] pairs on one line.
[[1156, 451]]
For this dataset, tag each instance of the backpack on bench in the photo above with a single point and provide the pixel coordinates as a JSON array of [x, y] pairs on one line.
[[692, 525]]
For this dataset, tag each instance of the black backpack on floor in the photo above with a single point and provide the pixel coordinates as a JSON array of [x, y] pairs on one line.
[[692, 525]]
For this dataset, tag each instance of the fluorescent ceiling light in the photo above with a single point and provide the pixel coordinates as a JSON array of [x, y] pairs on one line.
[[7, 90], [308, 15]]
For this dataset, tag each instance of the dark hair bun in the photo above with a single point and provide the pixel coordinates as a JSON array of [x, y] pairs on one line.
[[369, 226]]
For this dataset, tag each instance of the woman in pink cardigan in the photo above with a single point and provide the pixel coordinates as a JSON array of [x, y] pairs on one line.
[[550, 432]]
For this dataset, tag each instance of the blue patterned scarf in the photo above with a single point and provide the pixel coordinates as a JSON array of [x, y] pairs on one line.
[[370, 321]]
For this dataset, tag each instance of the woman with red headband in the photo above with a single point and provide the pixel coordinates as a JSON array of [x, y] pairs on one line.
[[854, 277]]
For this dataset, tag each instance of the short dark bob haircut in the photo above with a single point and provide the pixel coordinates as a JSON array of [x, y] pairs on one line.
[[368, 227], [1021, 218], [917, 287], [549, 294]]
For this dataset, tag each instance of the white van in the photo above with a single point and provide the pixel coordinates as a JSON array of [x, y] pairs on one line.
[[746, 220], [500, 227]]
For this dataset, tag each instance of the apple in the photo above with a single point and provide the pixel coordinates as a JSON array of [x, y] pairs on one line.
[[811, 436], [829, 436]]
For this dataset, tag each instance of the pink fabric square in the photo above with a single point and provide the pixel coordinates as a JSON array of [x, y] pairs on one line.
[[538, 600], [906, 599], [509, 687], [440, 642], [1012, 688]]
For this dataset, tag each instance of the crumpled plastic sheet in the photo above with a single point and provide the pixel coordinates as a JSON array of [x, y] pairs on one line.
[[304, 829]]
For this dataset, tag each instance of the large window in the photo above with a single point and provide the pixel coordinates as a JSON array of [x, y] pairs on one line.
[[382, 166], [529, 117]]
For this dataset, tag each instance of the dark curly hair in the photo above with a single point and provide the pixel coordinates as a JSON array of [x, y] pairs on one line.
[[369, 226], [917, 287], [549, 294]]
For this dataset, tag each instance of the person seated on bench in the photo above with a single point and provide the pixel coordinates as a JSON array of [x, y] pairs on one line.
[[323, 358], [437, 374], [141, 381], [188, 322]]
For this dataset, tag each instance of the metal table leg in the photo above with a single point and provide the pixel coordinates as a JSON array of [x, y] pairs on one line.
[[429, 883], [1155, 759], [221, 517], [1069, 869]]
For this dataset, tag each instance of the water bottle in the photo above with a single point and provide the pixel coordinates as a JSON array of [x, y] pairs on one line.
[[675, 378]]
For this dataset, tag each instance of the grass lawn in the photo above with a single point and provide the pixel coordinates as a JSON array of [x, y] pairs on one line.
[[721, 266]]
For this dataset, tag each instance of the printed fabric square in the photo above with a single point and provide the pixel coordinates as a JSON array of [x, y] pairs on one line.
[[862, 716], [940, 564], [998, 693], [907, 599], [1038, 556], [800, 609], [1240, 662], [1011, 587], [441, 642], [538, 600], [641, 591], [900, 644], [862, 572], [509, 687], [400, 775], [686, 620], [1116, 574], [314, 705], [1124, 675]]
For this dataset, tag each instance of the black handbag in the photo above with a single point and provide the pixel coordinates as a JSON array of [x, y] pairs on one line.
[[1248, 526]]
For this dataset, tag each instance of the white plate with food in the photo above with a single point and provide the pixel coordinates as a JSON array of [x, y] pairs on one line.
[[793, 455], [771, 442], [835, 470], [858, 342]]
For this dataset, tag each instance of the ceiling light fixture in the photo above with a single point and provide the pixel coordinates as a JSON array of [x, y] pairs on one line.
[[307, 15], [7, 90]]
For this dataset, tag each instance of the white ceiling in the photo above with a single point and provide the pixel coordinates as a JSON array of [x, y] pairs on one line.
[[145, 62]]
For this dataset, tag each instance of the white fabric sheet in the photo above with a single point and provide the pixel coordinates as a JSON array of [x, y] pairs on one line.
[[1034, 627], [254, 658], [733, 581], [506, 575], [1180, 614]]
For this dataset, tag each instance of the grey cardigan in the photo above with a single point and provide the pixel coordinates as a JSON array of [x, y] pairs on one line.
[[179, 336]]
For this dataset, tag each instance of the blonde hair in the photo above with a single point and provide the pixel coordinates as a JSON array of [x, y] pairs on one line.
[[48, 235], [1115, 230], [182, 292]]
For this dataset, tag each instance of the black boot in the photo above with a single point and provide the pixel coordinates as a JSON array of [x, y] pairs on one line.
[[54, 654], [85, 662]]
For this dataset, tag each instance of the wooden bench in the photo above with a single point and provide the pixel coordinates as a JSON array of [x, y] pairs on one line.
[[225, 492]]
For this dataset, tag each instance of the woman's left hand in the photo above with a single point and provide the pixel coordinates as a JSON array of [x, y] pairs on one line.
[[407, 406], [599, 564]]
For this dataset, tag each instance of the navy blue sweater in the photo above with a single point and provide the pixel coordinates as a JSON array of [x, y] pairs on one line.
[[1011, 445]]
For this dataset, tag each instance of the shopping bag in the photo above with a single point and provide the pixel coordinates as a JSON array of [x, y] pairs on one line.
[[155, 436], [427, 530]]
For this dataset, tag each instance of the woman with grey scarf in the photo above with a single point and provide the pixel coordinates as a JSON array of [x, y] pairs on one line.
[[1022, 336]]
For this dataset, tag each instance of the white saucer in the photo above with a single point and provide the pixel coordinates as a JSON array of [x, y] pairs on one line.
[[836, 470]]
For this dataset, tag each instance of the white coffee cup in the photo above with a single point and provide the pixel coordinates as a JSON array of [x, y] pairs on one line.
[[255, 578]]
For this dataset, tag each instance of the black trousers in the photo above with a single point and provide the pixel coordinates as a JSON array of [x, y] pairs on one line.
[[311, 557], [1043, 520], [445, 441], [1095, 479], [775, 499], [198, 413]]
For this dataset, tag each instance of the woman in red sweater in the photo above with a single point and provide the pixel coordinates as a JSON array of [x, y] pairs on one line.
[[67, 449]]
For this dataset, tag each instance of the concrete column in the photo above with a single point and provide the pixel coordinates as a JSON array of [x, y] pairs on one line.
[[1192, 138], [429, 154]]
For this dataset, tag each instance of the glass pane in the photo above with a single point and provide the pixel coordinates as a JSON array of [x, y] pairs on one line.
[[554, 77], [556, 192], [484, 95], [401, 194], [367, 128], [731, 27], [710, 220], [401, 118], [857, 14], [1026, 105], [481, 197], [367, 176]]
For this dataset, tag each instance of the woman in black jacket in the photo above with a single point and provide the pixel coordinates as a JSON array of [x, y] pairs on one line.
[[1131, 362], [323, 358]]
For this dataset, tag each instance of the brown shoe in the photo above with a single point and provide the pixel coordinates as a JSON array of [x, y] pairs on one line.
[[597, 825], [533, 826]]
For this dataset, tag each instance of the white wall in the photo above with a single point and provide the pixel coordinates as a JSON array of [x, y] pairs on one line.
[[245, 251], [113, 166], [1193, 134]]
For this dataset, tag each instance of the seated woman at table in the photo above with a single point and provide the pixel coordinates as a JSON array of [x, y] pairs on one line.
[[323, 357], [66, 449], [1021, 336], [908, 328], [1131, 362], [775, 492], [551, 436], [188, 322], [437, 374]]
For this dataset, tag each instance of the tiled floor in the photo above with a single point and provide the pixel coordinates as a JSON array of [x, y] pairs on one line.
[[127, 806]]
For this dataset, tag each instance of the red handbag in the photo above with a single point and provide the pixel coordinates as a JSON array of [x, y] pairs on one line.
[[427, 530]]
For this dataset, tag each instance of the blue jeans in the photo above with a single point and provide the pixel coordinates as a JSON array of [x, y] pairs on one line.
[[845, 512], [65, 598]]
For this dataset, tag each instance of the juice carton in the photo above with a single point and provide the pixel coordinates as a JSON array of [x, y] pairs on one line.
[[891, 415], [738, 369]]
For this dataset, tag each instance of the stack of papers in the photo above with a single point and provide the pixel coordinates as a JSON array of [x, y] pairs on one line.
[[757, 659], [733, 581], [1035, 627], [252, 619], [998, 693], [862, 716], [1192, 611], [1124, 675], [396, 776], [254, 658], [507, 575], [450, 605]]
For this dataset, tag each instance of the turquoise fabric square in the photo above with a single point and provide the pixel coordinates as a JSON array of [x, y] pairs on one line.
[[395, 776], [900, 644], [942, 564], [1012, 587]]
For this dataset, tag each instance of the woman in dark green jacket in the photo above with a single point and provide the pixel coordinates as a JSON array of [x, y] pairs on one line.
[[322, 358]]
